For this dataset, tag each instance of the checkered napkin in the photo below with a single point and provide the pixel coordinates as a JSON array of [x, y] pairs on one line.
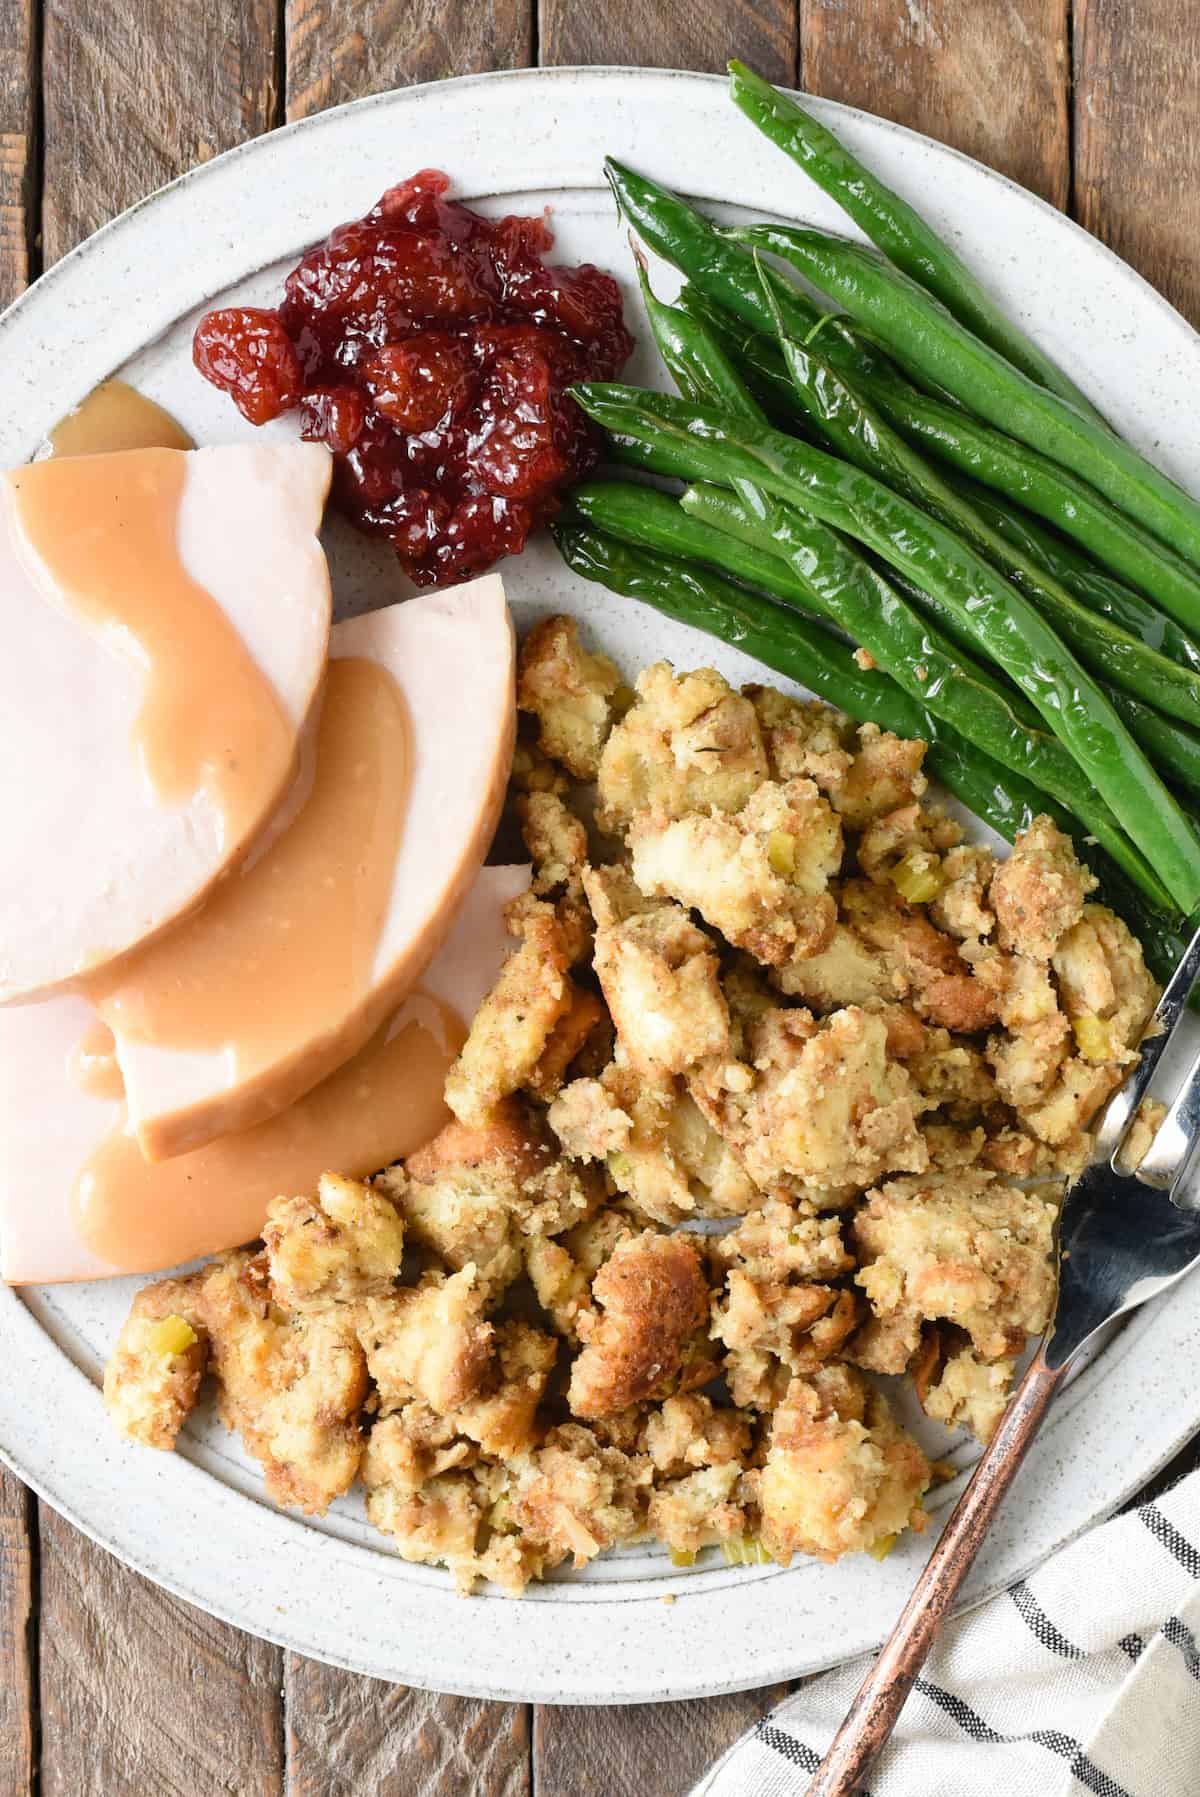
[[1085, 1677]]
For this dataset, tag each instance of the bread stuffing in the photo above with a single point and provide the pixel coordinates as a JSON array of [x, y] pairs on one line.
[[773, 1096]]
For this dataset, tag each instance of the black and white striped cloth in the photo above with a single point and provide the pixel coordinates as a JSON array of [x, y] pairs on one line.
[[1085, 1677]]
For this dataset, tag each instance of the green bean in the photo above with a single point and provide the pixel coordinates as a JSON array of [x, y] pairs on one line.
[[702, 371], [1064, 501], [924, 338], [647, 518], [772, 633], [1053, 493], [1101, 591], [1174, 749], [895, 227], [705, 445], [722, 510], [757, 354], [854, 428], [693, 355], [692, 244]]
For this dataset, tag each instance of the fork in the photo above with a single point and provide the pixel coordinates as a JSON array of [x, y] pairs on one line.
[[1123, 1238]]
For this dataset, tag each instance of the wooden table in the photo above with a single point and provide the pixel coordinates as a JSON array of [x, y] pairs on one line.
[[108, 1687]]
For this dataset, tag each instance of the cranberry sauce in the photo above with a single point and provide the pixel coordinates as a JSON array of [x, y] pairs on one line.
[[431, 349]]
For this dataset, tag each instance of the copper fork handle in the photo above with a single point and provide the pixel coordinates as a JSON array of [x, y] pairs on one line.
[[883, 1692]]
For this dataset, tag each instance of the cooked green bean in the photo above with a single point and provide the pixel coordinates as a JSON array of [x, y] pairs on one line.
[[648, 518], [894, 226], [721, 510], [1099, 590], [692, 244], [1171, 746], [1068, 503], [1174, 749], [708, 446], [856, 429], [702, 371], [772, 633], [1053, 493], [928, 341]]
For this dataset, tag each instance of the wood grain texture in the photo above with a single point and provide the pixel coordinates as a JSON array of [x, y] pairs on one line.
[[18, 147], [1137, 161], [17, 1694], [671, 34], [141, 1693], [339, 52], [347, 1736], [139, 92], [989, 79], [640, 1750]]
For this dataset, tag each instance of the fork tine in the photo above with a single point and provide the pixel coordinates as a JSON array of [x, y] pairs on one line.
[[1118, 1114], [1174, 1142]]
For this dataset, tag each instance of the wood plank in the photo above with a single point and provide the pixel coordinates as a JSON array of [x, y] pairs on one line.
[[990, 80], [347, 1735], [1137, 161], [643, 1750], [139, 92], [672, 34], [16, 1660], [18, 147], [141, 1693], [337, 52]]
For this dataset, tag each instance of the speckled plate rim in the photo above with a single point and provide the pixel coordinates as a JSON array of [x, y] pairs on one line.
[[324, 1594]]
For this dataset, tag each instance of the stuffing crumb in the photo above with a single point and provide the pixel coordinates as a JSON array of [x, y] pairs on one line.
[[970, 1393], [570, 692], [659, 976], [760, 877], [153, 1377], [512, 1026], [1038, 894], [291, 1385], [653, 1299], [689, 744], [840, 1474], [962, 1247], [345, 1244]]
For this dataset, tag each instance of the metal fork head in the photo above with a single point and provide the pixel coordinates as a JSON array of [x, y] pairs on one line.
[[1125, 1237], [1120, 1244]]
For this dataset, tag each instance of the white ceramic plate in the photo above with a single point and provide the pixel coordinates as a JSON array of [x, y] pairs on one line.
[[126, 302]]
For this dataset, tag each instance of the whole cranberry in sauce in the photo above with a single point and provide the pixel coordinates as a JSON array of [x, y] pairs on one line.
[[431, 349]]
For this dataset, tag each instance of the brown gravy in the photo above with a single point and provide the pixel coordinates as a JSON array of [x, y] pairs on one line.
[[92, 1064], [378, 1108], [210, 719], [116, 416], [285, 947]]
